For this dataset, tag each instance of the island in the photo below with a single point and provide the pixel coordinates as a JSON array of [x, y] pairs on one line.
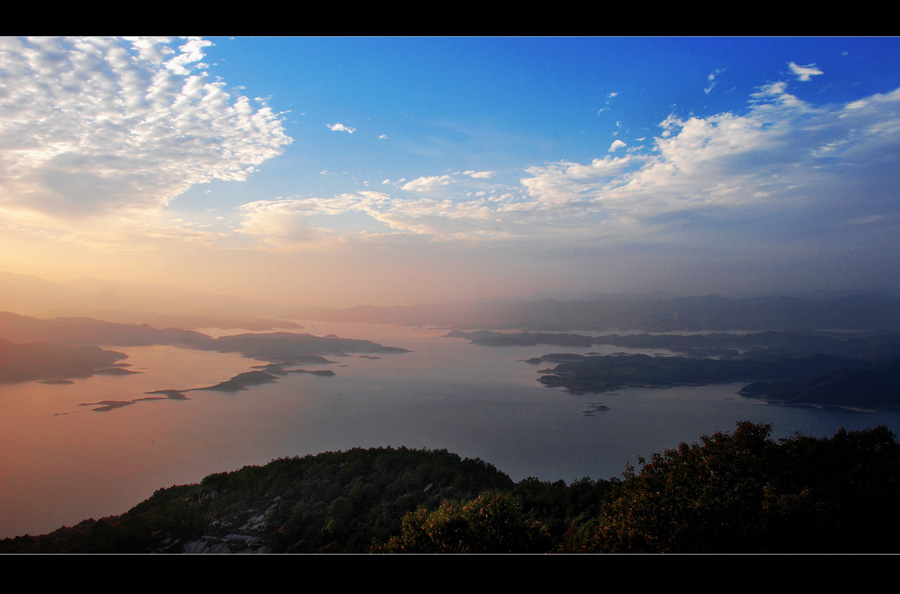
[[816, 380], [714, 344], [280, 347], [47, 362], [857, 370]]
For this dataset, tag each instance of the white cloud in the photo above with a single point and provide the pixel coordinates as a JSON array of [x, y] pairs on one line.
[[782, 155], [796, 167], [312, 222], [804, 73], [712, 80], [616, 145], [341, 128], [105, 125], [191, 52], [424, 184], [781, 160]]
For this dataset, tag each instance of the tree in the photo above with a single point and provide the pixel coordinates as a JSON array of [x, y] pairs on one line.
[[746, 493], [491, 523]]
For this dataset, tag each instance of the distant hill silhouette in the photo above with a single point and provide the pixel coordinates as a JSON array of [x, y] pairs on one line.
[[87, 296], [162, 306], [88, 331], [757, 344], [704, 313], [272, 346]]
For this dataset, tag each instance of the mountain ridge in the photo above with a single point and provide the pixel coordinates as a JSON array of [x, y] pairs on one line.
[[872, 312]]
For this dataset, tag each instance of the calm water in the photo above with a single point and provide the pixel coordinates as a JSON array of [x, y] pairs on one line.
[[62, 462]]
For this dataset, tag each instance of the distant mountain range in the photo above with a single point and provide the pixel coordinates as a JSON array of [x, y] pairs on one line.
[[119, 301], [88, 331], [163, 306], [874, 312]]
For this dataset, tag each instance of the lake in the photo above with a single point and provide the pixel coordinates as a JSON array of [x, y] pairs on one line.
[[62, 462]]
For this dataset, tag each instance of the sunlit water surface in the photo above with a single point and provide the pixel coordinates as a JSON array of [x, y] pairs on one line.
[[62, 462]]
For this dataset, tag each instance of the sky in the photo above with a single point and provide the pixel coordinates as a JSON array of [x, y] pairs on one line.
[[397, 170]]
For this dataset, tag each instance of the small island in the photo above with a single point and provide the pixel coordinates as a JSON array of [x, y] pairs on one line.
[[265, 374], [241, 381]]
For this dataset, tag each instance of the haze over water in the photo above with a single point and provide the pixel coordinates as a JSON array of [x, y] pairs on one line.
[[63, 462]]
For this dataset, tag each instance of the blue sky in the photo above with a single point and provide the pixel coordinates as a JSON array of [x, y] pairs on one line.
[[392, 170]]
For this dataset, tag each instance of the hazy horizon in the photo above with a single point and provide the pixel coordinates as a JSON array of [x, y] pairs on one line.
[[164, 305], [332, 171]]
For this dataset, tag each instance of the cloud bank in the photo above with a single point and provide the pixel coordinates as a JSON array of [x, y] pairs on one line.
[[796, 168], [103, 126]]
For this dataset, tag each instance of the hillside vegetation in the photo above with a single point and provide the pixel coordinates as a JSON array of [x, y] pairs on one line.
[[739, 492]]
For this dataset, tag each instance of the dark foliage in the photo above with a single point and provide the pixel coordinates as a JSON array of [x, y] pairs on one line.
[[330, 502], [745, 493], [728, 493], [491, 523]]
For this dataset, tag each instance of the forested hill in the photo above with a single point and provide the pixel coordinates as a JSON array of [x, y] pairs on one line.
[[739, 492]]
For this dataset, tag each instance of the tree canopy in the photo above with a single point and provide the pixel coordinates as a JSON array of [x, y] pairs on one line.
[[744, 492], [739, 492]]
